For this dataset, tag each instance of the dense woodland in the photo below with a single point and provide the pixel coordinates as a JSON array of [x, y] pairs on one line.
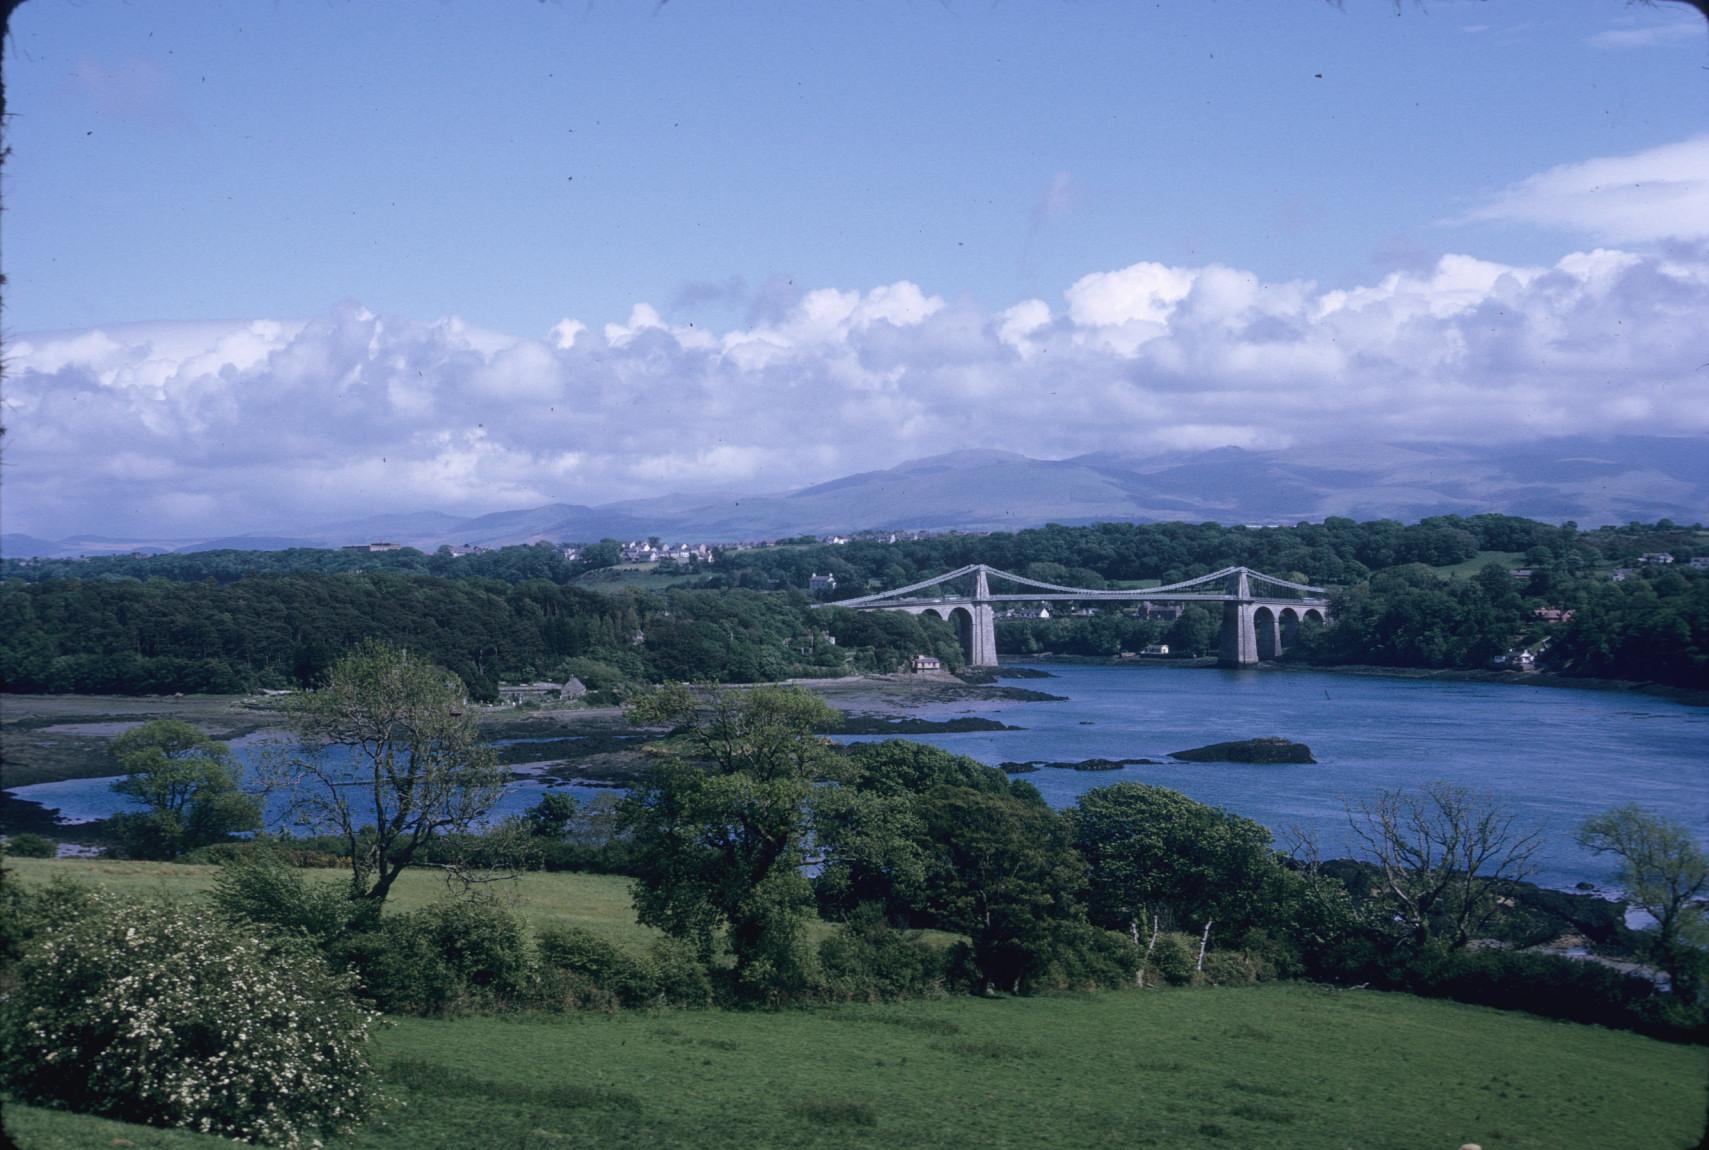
[[280, 630], [235, 620]]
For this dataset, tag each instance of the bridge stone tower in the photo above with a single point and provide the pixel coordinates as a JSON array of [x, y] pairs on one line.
[[1239, 629]]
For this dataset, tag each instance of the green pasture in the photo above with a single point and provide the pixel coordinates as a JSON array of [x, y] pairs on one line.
[[598, 902], [1470, 567], [1285, 1067]]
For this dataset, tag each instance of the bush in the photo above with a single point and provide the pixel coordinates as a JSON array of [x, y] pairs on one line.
[[1175, 959], [866, 960], [683, 978], [155, 1013], [399, 970], [578, 969], [1083, 957], [260, 888], [445, 958], [31, 846], [26, 914], [1234, 968], [1546, 984]]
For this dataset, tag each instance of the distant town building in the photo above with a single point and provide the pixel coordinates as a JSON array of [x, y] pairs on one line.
[[1698, 563], [1621, 574], [1553, 615], [1656, 557], [921, 663], [1519, 660], [374, 547], [1155, 649], [819, 582]]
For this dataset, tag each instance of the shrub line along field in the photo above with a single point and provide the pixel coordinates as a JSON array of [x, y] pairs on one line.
[[1279, 1065]]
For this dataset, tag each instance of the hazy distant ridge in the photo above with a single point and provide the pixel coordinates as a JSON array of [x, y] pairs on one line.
[[1589, 481]]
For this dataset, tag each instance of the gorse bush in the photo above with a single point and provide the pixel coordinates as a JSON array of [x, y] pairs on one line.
[[159, 1013]]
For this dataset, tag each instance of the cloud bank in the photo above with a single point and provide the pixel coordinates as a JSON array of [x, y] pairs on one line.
[[167, 429]]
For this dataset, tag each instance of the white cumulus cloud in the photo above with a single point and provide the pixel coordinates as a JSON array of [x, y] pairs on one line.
[[199, 428]]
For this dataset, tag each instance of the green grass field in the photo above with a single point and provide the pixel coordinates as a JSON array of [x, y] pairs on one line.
[[1507, 559], [1283, 1066], [595, 901]]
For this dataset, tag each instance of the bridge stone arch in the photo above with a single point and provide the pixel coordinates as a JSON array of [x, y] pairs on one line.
[[1287, 626], [1269, 637]]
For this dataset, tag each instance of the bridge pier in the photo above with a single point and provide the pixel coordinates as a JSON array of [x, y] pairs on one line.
[[1239, 636], [982, 637]]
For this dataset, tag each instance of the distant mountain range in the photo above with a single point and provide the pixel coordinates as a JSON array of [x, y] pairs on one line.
[[1592, 482]]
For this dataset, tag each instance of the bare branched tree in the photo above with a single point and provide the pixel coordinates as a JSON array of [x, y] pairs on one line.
[[1444, 854]]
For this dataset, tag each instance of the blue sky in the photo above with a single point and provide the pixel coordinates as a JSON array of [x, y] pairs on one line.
[[584, 250]]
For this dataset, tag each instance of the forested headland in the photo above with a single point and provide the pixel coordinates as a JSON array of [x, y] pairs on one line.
[[1446, 592]]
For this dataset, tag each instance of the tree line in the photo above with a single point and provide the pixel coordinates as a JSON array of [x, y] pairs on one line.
[[285, 630]]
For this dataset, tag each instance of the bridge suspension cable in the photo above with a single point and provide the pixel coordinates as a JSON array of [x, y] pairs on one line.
[[1085, 592]]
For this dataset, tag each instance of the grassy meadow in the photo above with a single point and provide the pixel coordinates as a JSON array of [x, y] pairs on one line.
[[1279, 1066], [1283, 1067]]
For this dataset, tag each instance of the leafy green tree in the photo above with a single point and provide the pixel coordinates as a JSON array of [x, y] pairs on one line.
[[869, 832], [720, 826], [1195, 632], [188, 783], [1157, 861], [395, 759], [1663, 871], [550, 817], [1001, 870]]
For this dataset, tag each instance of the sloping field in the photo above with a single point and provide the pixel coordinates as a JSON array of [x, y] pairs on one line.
[[1280, 1067]]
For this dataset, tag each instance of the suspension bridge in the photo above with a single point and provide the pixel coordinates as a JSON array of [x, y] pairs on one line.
[[1260, 613]]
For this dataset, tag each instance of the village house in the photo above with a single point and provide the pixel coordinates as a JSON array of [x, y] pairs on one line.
[[921, 663], [818, 582], [1553, 615], [1655, 557], [539, 692]]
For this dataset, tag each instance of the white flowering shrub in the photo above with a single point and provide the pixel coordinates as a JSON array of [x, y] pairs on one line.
[[164, 1014]]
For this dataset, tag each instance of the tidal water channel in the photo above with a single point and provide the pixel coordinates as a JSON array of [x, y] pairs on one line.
[[1550, 755]]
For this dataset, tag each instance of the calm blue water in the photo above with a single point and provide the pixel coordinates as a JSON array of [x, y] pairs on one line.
[[84, 800], [1553, 756]]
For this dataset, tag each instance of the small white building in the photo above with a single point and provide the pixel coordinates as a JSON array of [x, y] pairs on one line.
[[921, 663], [1155, 649], [1656, 557]]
